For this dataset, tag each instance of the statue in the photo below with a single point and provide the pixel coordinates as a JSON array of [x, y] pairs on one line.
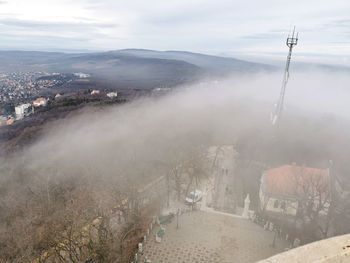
[[245, 213]]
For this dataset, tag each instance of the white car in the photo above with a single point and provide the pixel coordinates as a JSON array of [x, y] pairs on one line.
[[194, 197]]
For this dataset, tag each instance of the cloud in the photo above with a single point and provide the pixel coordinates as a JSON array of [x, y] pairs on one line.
[[343, 24], [2, 2], [54, 25], [196, 25], [79, 34], [261, 36]]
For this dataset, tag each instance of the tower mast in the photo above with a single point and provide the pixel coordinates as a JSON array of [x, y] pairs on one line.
[[291, 42]]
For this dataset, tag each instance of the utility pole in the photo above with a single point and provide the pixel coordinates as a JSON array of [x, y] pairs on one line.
[[291, 42], [177, 218]]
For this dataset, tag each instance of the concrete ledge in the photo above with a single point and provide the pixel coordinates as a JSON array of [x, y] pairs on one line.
[[331, 250]]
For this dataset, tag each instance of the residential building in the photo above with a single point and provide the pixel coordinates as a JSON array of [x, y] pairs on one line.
[[10, 121], [283, 189], [112, 95], [22, 110], [81, 75], [226, 193], [95, 92], [39, 102]]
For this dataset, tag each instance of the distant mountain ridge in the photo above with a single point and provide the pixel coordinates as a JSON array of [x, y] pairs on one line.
[[131, 66], [200, 60], [142, 68], [212, 64]]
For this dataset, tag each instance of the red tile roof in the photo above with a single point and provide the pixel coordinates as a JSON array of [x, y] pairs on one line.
[[293, 180]]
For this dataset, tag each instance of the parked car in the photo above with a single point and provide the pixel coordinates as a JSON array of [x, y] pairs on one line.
[[194, 197]]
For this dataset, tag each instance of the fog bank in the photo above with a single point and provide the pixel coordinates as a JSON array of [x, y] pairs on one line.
[[135, 139]]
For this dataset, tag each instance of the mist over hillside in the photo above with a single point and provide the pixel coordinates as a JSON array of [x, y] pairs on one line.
[[221, 111], [179, 131], [79, 164], [131, 68]]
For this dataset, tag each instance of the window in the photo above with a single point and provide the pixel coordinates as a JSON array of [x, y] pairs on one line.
[[283, 205]]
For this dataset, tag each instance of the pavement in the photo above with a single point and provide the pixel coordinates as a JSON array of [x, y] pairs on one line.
[[211, 237]]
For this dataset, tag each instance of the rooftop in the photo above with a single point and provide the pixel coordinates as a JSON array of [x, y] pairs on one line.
[[291, 180]]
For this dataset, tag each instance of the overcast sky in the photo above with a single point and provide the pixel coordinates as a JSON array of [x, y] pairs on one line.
[[254, 29]]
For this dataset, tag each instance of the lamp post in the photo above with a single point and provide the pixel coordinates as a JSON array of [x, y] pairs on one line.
[[177, 218]]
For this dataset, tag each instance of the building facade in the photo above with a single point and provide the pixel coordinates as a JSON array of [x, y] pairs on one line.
[[289, 189]]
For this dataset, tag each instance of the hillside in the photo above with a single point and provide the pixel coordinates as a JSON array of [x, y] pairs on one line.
[[130, 68]]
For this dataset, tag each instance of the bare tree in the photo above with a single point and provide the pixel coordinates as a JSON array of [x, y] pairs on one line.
[[313, 202]]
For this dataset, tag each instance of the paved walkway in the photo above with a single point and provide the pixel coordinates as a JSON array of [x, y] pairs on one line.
[[209, 237]]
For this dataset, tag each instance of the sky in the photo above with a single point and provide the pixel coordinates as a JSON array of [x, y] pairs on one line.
[[251, 29]]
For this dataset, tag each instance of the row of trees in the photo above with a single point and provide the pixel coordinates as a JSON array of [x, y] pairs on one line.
[[45, 203], [48, 217]]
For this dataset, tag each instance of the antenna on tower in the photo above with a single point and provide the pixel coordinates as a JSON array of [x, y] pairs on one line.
[[292, 40]]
